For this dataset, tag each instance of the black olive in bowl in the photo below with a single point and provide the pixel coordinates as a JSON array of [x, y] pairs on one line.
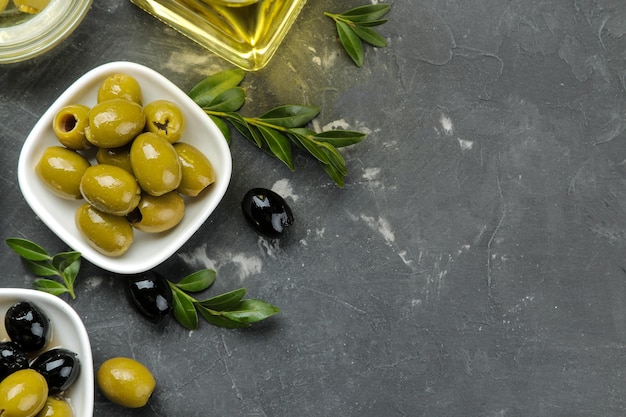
[[12, 359], [27, 325], [267, 212], [60, 367]]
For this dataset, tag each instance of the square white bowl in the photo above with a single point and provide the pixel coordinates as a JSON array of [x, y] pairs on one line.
[[148, 249], [68, 331]]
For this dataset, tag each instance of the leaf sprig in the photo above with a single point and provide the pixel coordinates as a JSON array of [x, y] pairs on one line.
[[229, 310], [221, 96], [356, 26], [64, 265]]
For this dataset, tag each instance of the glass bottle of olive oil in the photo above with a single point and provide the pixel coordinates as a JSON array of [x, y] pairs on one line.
[[244, 32]]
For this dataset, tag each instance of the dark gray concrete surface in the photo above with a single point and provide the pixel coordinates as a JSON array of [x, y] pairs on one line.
[[473, 265]]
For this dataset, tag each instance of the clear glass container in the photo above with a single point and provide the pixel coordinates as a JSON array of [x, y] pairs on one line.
[[244, 32], [24, 35]]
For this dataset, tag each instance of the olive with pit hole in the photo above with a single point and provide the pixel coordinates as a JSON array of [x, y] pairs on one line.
[[114, 123], [110, 189], [122, 86], [61, 169], [109, 234], [197, 170], [165, 118], [156, 214], [155, 164], [23, 394], [69, 126]]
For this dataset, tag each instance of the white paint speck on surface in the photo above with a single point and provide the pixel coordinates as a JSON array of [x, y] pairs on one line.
[[446, 125], [284, 189], [381, 226], [466, 145]]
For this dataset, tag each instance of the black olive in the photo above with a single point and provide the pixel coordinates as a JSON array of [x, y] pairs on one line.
[[27, 325], [267, 212], [60, 367], [151, 295], [12, 359]]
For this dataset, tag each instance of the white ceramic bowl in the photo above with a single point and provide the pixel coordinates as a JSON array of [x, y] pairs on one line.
[[148, 249], [25, 36], [68, 331]]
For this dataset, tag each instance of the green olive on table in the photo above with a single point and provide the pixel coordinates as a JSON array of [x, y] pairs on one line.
[[61, 170], [23, 394], [114, 123], [56, 407], [69, 126], [119, 157], [109, 234], [122, 86], [155, 164], [158, 214], [125, 381], [198, 172], [110, 189], [165, 118]]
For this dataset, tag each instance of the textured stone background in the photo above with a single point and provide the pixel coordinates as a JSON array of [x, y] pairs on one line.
[[473, 265]]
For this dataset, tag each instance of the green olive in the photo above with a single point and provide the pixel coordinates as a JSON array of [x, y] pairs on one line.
[[3, 5], [114, 123], [109, 234], [110, 189], [61, 170], [158, 214], [122, 86], [69, 126], [23, 394], [198, 172], [155, 164], [56, 407], [30, 6], [165, 118], [119, 157], [125, 382]]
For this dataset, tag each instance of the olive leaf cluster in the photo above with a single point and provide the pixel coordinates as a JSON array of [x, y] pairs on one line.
[[229, 310], [356, 26], [277, 131], [64, 265]]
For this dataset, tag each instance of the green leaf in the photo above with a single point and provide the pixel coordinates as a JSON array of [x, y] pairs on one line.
[[371, 23], [230, 100], [305, 138], [50, 286], [69, 275], [340, 138], [370, 36], [219, 320], [212, 86], [335, 158], [184, 309], [368, 13], [251, 311], [335, 175], [41, 268], [27, 249], [64, 259], [290, 115], [224, 301], [351, 43], [278, 144], [223, 127], [198, 281]]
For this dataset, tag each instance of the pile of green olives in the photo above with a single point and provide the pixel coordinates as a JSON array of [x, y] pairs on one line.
[[126, 161], [34, 377]]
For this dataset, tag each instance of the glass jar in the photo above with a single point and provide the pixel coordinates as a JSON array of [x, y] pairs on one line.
[[244, 32]]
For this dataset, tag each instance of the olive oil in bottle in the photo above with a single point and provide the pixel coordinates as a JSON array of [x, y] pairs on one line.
[[245, 32]]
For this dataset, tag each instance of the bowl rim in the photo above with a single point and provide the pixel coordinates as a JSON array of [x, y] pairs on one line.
[[176, 237], [50, 302], [48, 30]]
